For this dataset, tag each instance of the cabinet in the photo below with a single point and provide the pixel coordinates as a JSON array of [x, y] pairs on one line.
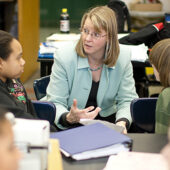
[[28, 30], [28, 33]]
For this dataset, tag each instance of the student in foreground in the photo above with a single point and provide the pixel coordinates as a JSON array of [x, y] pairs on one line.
[[9, 154], [12, 93], [93, 78], [160, 60]]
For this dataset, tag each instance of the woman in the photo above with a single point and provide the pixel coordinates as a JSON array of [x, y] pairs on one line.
[[9, 154], [93, 78], [160, 60]]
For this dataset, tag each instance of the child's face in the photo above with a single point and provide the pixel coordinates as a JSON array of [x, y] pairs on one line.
[[156, 73], [9, 154], [13, 67]]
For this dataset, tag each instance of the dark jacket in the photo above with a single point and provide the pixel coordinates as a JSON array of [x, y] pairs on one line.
[[14, 98]]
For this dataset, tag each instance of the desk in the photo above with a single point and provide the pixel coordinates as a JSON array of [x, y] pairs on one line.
[[138, 73], [45, 66], [46, 61], [152, 143]]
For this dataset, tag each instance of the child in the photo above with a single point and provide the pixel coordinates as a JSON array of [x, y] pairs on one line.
[[9, 154], [12, 93], [160, 60]]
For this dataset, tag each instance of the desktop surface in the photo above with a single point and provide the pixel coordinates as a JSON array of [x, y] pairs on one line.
[[143, 142]]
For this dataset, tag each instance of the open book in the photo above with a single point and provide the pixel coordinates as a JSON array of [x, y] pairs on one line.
[[91, 141]]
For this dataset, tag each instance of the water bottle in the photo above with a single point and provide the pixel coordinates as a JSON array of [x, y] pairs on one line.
[[64, 21]]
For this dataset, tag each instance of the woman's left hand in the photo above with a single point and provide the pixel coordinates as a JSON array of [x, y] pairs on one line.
[[123, 124]]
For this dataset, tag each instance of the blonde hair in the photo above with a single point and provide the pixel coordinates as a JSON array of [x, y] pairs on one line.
[[104, 18], [160, 58]]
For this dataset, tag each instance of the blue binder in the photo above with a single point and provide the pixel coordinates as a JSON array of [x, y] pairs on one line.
[[95, 140]]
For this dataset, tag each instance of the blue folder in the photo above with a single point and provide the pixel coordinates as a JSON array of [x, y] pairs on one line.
[[89, 138]]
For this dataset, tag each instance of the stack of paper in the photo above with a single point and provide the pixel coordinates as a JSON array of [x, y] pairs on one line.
[[91, 141], [63, 37], [136, 161]]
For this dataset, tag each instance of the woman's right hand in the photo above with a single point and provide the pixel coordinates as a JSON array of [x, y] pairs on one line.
[[76, 114]]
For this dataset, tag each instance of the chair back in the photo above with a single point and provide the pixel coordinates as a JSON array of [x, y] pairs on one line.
[[143, 113], [45, 110], [122, 15], [40, 86]]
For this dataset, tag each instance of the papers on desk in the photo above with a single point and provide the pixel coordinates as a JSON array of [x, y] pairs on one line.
[[63, 37], [47, 49], [136, 161], [138, 52], [91, 141]]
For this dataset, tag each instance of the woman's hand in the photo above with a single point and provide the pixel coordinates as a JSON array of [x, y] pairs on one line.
[[123, 124], [76, 114]]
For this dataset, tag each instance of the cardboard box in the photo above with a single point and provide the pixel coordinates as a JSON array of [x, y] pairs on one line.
[[146, 7]]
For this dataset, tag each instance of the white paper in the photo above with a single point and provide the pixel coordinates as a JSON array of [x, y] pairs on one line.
[[138, 52], [136, 161], [63, 37], [110, 150]]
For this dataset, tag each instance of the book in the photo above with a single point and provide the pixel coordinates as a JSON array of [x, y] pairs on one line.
[[106, 123], [136, 161], [91, 141]]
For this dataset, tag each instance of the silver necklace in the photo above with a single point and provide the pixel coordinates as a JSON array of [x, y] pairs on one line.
[[96, 69]]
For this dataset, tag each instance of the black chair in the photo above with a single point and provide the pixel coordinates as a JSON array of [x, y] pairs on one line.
[[143, 113], [122, 15], [45, 110], [142, 80], [40, 86]]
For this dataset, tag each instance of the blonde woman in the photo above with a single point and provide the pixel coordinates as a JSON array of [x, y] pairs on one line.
[[160, 60], [93, 78]]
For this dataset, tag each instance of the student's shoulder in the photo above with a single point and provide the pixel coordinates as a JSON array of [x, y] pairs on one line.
[[163, 99], [165, 93]]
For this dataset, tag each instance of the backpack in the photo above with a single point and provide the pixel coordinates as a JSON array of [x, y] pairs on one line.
[[149, 35], [122, 15]]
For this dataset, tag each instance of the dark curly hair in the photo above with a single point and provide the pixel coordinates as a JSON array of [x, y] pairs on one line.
[[5, 40]]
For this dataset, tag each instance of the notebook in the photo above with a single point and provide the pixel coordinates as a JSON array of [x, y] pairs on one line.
[[91, 141]]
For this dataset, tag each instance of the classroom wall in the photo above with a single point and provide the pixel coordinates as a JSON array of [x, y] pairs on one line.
[[28, 31], [50, 11], [166, 4]]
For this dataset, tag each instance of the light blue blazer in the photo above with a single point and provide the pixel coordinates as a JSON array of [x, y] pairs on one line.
[[71, 79]]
